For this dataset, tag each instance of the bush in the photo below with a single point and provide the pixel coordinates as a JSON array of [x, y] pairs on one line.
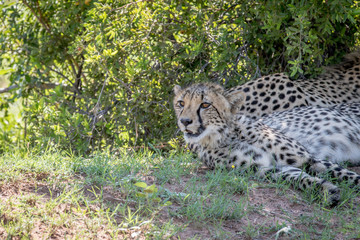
[[100, 73]]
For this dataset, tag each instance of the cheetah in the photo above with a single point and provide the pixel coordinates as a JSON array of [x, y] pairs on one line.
[[338, 84], [295, 145]]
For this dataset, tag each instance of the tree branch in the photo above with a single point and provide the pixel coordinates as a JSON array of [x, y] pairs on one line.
[[42, 86], [60, 74], [39, 17], [8, 89]]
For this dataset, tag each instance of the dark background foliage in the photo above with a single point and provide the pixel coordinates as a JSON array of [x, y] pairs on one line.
[[94, 74]]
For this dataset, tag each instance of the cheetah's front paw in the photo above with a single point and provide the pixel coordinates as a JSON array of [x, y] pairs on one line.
[[331, 194]]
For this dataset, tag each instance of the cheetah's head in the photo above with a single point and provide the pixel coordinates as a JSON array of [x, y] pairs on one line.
[[203, 112]]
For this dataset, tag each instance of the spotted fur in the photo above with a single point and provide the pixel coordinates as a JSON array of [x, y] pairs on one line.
[[290, 145], [338, 84]]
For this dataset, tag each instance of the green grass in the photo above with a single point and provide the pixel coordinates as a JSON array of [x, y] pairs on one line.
[[153, 195]]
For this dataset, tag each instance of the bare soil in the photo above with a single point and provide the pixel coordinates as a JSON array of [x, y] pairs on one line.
[[267, 208]]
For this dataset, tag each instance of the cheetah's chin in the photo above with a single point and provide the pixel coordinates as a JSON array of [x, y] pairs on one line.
[[190, 134], [207, 137]]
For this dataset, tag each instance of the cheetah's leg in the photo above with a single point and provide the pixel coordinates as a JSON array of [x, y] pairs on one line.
[[304, 181], [336, 171], [194, 147], [288, 151]]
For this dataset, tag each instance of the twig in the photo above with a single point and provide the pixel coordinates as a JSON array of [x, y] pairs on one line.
[[126, 5], [117, 79], [77, 84], [8, 89], [95, 110], [25, 127], [102, 89], [40, 18], [60, 74], [41, 86], [72, 66], [203, 67]]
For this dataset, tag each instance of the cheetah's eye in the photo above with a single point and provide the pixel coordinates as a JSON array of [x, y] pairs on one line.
[[181, 103], [205, 105]]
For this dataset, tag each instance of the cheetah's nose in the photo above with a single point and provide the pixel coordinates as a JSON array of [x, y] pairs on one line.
[[186, 121]]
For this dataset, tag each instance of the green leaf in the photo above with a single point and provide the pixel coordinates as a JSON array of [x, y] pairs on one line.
[[6, 71], [151, 189], [141, 195], [168, 203], [186, 197], [141, 184]]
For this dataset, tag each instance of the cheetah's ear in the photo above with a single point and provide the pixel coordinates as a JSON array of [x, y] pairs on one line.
[[236, 99], [176, 89]]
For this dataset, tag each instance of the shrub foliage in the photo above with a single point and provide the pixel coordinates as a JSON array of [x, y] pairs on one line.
[[99, 73]]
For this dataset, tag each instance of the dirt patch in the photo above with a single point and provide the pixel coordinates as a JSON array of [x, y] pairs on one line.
[[271, 213], [58, 219], [268, 210]]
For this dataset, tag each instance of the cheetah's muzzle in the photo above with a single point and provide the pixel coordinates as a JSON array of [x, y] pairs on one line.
[[191, 134]]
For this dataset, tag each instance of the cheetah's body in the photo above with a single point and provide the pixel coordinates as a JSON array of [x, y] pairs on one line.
[[312, 137], [277, 92], [328, 133]]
